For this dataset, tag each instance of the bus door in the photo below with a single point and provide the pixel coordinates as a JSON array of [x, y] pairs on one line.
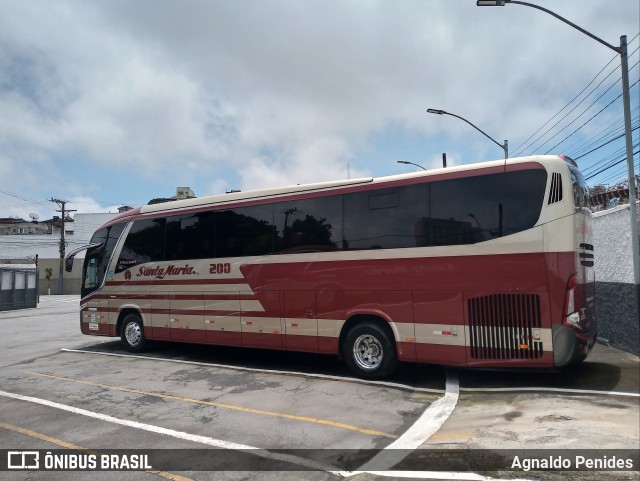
[[222, 318], [160, 313], [261, 320], [186, 317], [440, 327], [95, 308], [300, 321]]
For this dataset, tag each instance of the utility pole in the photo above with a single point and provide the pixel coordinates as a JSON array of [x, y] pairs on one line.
[[63, 211]]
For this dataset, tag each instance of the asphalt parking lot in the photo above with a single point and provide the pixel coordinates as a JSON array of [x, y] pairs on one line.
[[226, 413]]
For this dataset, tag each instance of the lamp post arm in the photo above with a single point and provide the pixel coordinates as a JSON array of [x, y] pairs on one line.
[[410, 163], [562, 19], [478, 129]]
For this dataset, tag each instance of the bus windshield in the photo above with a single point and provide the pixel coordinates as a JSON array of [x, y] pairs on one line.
[[97, 259]]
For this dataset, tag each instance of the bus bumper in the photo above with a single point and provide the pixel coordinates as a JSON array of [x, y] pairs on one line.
[[570, 346]]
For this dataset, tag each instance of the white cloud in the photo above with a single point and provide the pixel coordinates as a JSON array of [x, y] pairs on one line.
[[278, 91]]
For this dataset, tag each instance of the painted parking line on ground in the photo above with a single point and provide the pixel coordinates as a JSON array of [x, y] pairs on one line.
[[550, 390], [422, 430], [425, 426], [196, 438], [440, 475], [233, 407], [394, 385], [68, 445], [40, 436]]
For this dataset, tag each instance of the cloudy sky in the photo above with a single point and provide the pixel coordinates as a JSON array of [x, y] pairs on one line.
[[106, 103]]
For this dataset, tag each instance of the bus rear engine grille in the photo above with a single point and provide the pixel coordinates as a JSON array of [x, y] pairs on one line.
[[505, 326]]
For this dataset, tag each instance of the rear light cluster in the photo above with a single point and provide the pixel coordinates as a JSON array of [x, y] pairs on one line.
[[571, 310]]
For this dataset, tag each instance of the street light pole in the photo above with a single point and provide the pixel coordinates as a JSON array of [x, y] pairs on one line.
[[633, 211], [410, 163], [504, 146], [624, 64]]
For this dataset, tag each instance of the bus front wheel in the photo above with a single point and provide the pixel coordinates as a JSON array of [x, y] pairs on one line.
[[132, 333], [369, 351]]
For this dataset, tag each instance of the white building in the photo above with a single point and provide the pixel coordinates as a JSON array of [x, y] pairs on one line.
[[47, 246]]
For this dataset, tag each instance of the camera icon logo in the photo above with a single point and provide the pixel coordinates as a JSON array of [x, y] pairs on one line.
[[23, 460]]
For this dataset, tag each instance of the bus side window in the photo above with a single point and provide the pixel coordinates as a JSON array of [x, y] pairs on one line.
[[308, 225], [385, 219], [477, 209], [189, 236], [145, 243], [244, 231]]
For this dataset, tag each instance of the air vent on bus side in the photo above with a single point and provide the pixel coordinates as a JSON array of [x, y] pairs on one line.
[[505, 326], [555, 193]]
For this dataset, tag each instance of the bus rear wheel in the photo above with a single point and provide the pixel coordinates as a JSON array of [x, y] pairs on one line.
[[369, 351], [132, 333]]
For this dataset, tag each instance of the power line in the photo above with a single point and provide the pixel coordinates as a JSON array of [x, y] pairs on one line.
[[25, 199], [584, 112], [604, 161], [518, 149], [623, 159], [529, 143], [606, 132], [601, 145]]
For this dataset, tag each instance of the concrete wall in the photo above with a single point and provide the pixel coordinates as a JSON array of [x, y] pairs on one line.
[[617, 309], [47, 248], [71, 279]]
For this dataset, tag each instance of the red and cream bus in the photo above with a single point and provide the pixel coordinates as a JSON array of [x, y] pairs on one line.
[[484, 265]]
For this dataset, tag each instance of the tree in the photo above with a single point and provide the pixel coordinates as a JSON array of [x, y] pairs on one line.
[[48, 274]]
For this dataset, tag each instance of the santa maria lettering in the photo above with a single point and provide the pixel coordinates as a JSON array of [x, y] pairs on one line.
[[162, 272]]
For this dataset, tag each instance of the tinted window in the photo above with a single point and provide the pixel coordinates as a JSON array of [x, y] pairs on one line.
[[385, 219], [476, 209], [144, 243], [190, 236], [97, 260], [245, 231], [308, 225], [580, 190]]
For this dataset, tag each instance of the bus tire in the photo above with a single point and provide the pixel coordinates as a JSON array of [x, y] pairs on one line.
[[369, 351], [132, 333]]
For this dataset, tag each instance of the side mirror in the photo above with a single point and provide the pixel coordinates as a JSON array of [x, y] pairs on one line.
[[68, 263], [68, 260]]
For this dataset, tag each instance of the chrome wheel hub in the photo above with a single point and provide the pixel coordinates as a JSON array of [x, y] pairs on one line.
[[367, 352], [133, 333]]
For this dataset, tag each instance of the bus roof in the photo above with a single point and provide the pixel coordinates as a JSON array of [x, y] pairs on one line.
[[234, 197]]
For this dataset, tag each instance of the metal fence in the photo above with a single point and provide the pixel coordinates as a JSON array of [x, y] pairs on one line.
[[18, 288]]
